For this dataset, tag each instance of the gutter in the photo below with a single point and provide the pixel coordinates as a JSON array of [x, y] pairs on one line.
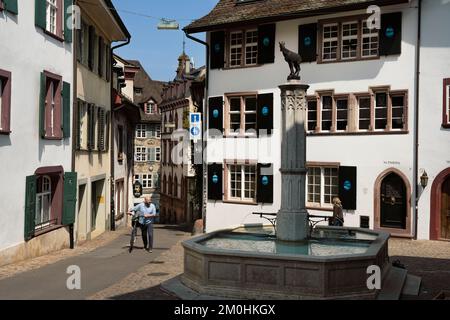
[[205, 118], [416, 124], [112, 135]]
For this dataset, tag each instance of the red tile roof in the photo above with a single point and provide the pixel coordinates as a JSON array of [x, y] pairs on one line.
[[229, 12]]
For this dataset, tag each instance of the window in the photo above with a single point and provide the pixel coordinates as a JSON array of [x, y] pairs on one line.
[[54, 17], [348, 40], [243, 48], [82, 125], [154, 131], [312, 114], [150, 108], [398, 107], [5, 101], [242, 183], [145, 179], [141, 131], [154, 154], [101, 57], [323, 186], [43, 202], [175, 187], [381, 111], [327, 113], [138, 91], [446, 105], [120, 143], [341, 114], [53, 107], [140, 154], [242, 115], [364, 113]]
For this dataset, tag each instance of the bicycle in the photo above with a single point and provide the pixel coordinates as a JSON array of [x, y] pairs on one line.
[[135, 225]]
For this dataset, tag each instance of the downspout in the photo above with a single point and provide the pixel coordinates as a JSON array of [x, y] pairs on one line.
[[205, 117], [112, 135], [416, 124]]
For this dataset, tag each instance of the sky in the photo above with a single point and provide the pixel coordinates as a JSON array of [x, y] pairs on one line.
[[158, 50]]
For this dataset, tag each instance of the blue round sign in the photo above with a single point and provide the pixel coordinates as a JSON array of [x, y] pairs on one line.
[[266, 42], [265, 111], [347, 185], [215, 113], [195, 131], [390, 32], [215, 179], [307, 41], [265, 180], [217, 48]]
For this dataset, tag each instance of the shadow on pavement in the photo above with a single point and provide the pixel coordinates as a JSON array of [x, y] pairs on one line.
[[153, 293], [435, 274]]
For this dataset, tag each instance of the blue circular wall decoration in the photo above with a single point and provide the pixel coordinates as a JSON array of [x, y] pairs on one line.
[[217, 48], [215, 113], [390, 32], [347, 185], [266, 42], [307, 41], [215, 179], [265, 111], [265, 181]]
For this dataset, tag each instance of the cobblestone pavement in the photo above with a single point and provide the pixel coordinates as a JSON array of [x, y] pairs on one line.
[[427, 259], [39, 262]]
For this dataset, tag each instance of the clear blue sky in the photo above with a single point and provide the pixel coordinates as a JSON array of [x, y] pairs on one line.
[[158, 50]]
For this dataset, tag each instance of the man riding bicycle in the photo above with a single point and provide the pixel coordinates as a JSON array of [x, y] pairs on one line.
[[144, 214]]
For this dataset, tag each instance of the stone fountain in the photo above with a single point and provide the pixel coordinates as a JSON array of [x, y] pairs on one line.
[[253, 263]]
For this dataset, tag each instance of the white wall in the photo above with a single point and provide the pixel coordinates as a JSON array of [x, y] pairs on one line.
[[434, 150], [371, 154], [26, 52]]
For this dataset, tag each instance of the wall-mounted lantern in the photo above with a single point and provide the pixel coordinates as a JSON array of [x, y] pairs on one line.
[[424, 180]]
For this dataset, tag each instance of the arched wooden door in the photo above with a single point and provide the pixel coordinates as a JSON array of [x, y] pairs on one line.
[[445, 210], [393, 206]]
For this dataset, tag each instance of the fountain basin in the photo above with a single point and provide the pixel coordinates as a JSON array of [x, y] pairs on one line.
[[248, 263]]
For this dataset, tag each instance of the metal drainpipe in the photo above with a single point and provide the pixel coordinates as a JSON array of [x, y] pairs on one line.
[[205, 114], [112, 135], [416, 118]]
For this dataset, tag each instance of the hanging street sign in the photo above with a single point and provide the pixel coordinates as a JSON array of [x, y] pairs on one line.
[[195, 126], [137, 189]]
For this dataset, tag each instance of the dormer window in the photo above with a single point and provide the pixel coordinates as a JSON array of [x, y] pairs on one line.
[[138, 91], [150, 108]]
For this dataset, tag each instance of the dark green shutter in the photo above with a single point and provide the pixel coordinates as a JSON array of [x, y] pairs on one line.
[[66, 110], [68, 26], [90, 125], [11, 6], [70, 198], [30, 207], [217, 49], [107, 127], [265, 112], [91, 48], [348, 187], [307, 42], [215, 185], [215, 113], [40, 13], [42, 98], [101, 56], [101, 129], [78, 125], [266, 43], [391, 34], [264, 191]]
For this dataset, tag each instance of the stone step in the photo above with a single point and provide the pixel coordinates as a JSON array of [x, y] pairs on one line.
[[412, 285], [393, 284]]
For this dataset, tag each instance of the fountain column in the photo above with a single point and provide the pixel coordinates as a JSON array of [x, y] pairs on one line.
[[292, 219]]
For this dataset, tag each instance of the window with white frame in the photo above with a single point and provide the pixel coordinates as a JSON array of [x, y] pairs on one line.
[[242, 115], [140, 154], [147, 181], [141, 131], [330, 42], [243, 48], [323, 186], [251, 47], [154, 154], [381, 110], [364, 113], [349, 40], [236, 40], [153, 131], [52, 16], [398, 109], [242, 183], [150, 108], [370, 41], [43, 201]]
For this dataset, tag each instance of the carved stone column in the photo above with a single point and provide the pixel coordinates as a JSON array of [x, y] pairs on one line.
[[292, 219]]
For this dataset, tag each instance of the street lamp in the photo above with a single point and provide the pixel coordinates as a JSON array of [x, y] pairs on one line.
[[424, 180]]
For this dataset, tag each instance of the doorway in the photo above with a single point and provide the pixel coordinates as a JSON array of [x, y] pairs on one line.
[[445, 210], [393, 199]]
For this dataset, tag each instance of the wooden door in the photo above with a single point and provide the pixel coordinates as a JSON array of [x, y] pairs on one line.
[[393, 202], [445, 211]]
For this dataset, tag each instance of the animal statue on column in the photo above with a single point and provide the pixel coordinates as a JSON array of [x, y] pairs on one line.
[[293, 59]]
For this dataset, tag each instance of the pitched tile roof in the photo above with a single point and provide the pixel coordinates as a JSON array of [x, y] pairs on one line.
[[229, 12], [150, 89]]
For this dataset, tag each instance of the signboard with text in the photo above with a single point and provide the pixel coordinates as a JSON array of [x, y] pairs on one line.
[[195, 126]]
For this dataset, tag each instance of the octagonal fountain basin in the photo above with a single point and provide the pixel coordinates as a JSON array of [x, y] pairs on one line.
[[250, 263]]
